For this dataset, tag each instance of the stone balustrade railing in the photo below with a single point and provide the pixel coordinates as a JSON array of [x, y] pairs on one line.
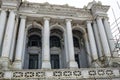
[[84, 73]]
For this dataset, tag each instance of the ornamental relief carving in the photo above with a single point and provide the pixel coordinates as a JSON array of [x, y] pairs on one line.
[[61, 74], [115, 64], [100, 8]]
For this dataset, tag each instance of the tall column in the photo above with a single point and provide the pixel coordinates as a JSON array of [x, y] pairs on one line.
[[7, 40], [72, 62], [92, 45], [46, 45], [3, 16], [109, 36], [14, 40], [103, 37], [99, 46], [20, 44], [92, 41], [89, 54]]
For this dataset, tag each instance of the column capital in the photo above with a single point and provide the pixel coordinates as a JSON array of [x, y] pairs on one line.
[[13, 11], [106, 18], [4, 9], [68, 19], [99, 17], [23, 17], [88, 21], [46, 18], [94, 22]]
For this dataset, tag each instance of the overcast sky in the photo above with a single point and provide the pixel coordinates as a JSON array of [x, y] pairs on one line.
[[81, 3]]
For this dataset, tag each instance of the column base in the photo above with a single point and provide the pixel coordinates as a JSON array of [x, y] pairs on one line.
[[101, 58], [96, 64], [46, 65], [4, 63], [73, 64], [17, 65], [115, 54], [108, 61], [115, 62], [105, 61]]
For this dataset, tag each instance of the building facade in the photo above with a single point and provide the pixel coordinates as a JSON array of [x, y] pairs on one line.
[[43, 41]]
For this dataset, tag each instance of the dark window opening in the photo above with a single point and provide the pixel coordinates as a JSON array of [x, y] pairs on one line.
[[54, 41], [77, 60], [76, 42], [55, 64], [34, 40], [33, 61]]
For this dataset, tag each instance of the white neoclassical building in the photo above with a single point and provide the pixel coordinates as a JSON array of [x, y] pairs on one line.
[[41, 41]]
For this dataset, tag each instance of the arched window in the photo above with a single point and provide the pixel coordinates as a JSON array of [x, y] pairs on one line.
[[34, 40], [54, 41], [76, 42]]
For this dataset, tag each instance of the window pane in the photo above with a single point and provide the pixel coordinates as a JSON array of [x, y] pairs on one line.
[[34, 40], [54, 41], [55, 61], [76, 42], [77, 60], [33, 61]]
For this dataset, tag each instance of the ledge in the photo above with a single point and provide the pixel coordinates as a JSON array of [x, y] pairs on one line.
[[83, 73]]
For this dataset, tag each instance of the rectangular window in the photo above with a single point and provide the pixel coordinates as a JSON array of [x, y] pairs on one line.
[[55, 64], [77, 60], [33, 61]]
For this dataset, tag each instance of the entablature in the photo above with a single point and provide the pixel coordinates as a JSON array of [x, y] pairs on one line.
[[10, 4], [59, 11]]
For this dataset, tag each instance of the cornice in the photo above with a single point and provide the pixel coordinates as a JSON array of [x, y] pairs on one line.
[[99, 10], [58, 10], [11, 4]]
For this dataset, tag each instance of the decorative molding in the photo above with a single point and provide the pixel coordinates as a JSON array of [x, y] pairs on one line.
[[58, 10], [99, 10], [91, 73], [11, 4]]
